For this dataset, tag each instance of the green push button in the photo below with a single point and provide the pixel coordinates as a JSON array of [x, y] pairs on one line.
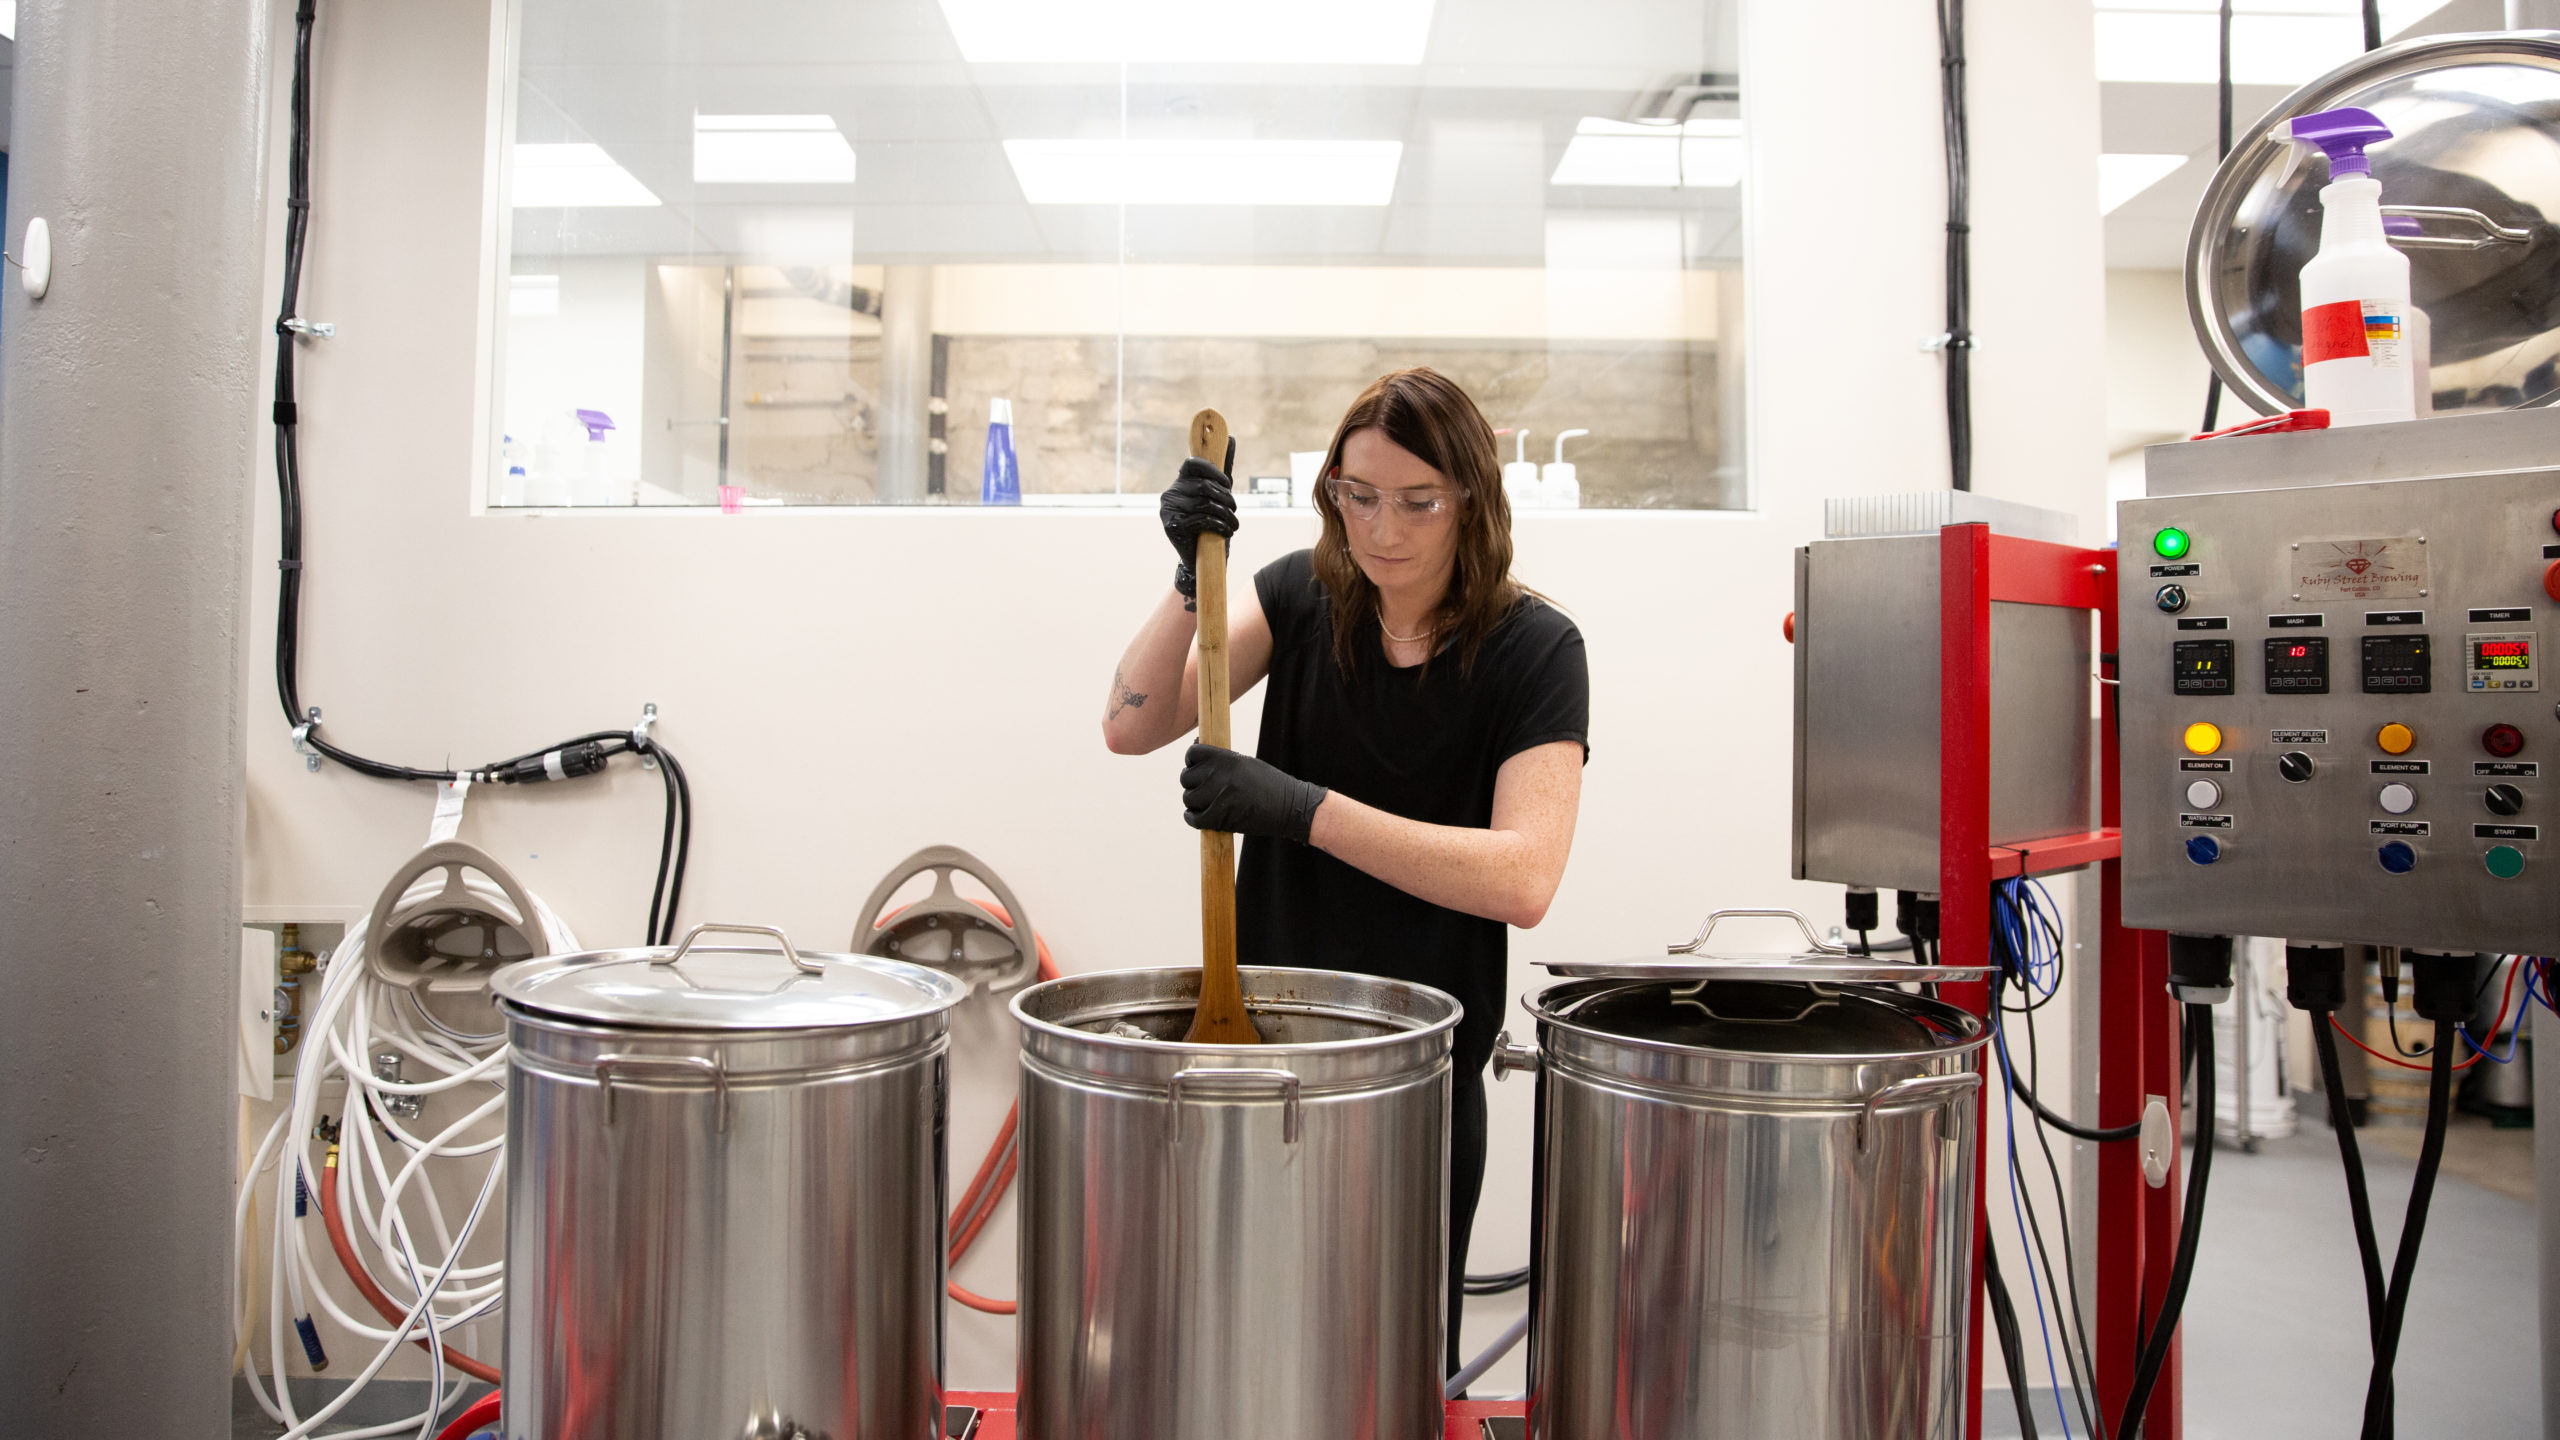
[[2171, 543], [2505, 861]]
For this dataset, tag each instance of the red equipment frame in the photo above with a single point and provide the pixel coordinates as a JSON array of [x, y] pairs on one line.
[[2137, 1225]]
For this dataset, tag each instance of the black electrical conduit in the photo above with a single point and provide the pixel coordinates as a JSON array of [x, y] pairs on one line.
[[1959, 337], [2173, 1301], [2378, 1405], [2013, 1345], [568, 759]]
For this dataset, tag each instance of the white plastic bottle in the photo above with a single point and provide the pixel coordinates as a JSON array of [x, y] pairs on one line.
[[1520, 477], [2358, 351], [1559, 486]]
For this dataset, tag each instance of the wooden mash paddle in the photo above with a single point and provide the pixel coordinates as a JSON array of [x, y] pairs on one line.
[[1221, 1018]]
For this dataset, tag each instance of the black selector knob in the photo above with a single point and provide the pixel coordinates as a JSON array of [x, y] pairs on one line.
[[2295, 766], [2504, 799], [2171, 599]]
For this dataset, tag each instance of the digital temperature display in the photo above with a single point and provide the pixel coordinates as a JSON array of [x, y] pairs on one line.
[[2499, 660], [2298, 665]]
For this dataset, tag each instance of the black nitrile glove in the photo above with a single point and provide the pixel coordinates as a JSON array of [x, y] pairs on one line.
[[1222, 790], [1201, 502]]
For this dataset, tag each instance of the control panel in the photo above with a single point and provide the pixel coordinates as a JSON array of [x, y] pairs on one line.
[[2332, 726]]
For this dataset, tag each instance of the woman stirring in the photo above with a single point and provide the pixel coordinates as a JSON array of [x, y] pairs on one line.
[[1420, 764]]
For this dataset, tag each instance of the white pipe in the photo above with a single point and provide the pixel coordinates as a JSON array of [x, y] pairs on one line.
[[1475, 1368]]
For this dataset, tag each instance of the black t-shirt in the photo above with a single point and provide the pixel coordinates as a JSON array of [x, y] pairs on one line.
[[1422, 742]]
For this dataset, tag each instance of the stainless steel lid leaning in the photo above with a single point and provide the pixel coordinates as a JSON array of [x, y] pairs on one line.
[[2467, 188], [695, 986]]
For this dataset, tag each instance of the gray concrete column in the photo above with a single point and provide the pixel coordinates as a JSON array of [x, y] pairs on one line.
[[124, 503], [906, 381]]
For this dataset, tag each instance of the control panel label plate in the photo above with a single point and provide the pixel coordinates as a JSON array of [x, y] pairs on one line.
[[2204, 622], [2173, 572], [2504, 615], [2205, 822], [2386, 569], [2395, 617], [2397, 827], [2296, 622], [2506, 832], [2216, 767], [2401, 767], [2298, 737], [2507, 769]]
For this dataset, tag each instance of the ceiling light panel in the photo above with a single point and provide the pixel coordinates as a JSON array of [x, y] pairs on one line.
[[2273, 42], [576, 176], [770, 150], [1205, 172], [1702, 154], [2121, 177], [1158, 32]]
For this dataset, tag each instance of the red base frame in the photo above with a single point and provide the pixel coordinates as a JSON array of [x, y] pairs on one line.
[[2137, 1056]]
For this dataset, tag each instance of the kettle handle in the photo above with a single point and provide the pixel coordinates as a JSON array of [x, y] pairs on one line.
[[1917, 1090], [1698, 944], [716, 927]]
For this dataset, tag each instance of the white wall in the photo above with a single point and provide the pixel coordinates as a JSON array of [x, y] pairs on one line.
[[846, 687]]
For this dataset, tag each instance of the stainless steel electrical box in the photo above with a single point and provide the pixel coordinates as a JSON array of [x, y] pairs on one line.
[[2336, 717], [1866, 743]]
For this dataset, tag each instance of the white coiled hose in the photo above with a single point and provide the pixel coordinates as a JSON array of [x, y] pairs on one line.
[[398, 1229]]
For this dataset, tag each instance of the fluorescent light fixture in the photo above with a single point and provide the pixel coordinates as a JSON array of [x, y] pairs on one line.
[[770, 150], [2273, 42], [1701, 154], [1206, 172], [1159, 32], [2121, 177], [533, 295], [577, 176]]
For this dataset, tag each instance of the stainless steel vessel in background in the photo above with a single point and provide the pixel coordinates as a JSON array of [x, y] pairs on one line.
[[725, 1189], [1754, 1202], [1228, 1243]]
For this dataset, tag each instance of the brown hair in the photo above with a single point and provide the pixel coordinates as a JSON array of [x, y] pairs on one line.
[[1425, 412]]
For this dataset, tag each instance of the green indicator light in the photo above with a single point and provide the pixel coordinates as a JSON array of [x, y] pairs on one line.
[[2171, 543], [2505, 861]]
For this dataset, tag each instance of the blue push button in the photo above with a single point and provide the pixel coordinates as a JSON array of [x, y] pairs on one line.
[[2398, 858], [2204, 849]]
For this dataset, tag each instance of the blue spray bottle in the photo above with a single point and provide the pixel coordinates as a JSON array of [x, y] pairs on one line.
[[1000, 480]]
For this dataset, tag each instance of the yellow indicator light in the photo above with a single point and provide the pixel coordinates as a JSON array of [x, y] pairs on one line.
[[2395, 738], [2203, 738]]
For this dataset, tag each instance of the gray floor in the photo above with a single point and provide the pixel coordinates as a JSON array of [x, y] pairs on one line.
[[2274, 1342]]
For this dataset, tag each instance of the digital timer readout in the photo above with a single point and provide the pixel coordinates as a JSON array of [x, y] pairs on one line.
[[2502, 655]]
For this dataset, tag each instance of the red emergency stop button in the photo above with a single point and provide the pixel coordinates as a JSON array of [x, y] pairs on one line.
[[2551, 580], [2502, 740]]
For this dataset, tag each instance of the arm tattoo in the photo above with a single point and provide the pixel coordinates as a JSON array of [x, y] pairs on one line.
[[1122, 697]]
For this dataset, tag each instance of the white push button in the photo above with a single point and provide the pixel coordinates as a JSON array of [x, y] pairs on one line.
[[2203, 795], [2398, 798]]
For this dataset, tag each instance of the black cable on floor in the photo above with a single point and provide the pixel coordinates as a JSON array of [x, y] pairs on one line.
[[2155, 1349], [2378, 1417], [2013, 1345], [2333, 1084]]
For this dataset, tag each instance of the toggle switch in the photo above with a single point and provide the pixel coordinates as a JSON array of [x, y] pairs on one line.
[[2171, 599], [2395, 738], [2203, 795], [2397, 857], [2503, 799], [2295, 766], [2204, 849], [2397, 798], [2203, 738]]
